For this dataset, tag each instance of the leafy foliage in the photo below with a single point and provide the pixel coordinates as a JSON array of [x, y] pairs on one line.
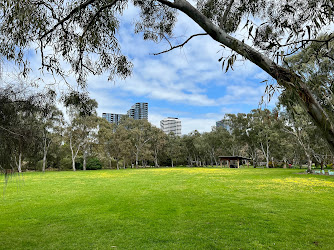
[[19, 127], [73, 30], [94, 164]]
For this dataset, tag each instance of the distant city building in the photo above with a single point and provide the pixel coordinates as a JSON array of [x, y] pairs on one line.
[[139, 111], [223, 124], [171, 124], [112, 118]]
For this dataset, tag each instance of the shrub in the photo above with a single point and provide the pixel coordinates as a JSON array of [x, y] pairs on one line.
[[93, 164], [65, 164], [39, 165], [330, 165]]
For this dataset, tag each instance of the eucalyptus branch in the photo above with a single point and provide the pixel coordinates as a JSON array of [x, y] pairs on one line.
[[11, 131], [169, 4], [180, 45], [167, 40], [50, 8], [62, 21], [225, 15], [307, 41], [96, 14], [329, 56]]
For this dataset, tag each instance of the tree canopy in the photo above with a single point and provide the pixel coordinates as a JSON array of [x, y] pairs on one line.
[[83, 34]]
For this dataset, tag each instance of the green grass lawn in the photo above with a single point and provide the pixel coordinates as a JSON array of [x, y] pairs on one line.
[[168, 208]]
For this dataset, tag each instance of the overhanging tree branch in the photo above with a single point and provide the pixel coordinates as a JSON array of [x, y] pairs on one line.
[[180, 45], [169, 4], [325, 41], [112, 3], [284, 77], [223, 19], [61, 22]]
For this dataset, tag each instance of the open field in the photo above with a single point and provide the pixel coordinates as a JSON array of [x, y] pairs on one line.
[[179, 208]]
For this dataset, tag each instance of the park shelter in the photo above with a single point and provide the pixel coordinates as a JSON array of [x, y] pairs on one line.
[[237, 159]]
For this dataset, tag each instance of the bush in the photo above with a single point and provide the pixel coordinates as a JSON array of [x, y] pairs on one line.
[[65, 164], [93, 164], [276, 164], [39, 165]]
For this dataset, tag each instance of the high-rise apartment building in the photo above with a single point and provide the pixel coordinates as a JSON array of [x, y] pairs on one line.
[[139, 111], [171, 124], [112, 118]]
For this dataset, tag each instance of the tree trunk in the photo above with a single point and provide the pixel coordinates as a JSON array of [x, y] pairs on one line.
[[117, 164], [309, 165], [265, 153], [73, 164], [44, 161], [137, 160], [156, 158], [46, 146], [19, 166], [156, 162], [84, 164], [286, 78], [74, 155], [172, 163], [322, 164]]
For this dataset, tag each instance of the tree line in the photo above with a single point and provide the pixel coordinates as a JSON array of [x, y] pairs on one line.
[[36, 136]]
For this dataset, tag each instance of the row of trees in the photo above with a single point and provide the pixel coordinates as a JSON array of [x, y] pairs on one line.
[[276, 138], [35, 135]]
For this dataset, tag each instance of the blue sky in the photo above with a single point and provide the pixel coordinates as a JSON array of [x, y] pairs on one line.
[[187, 83]]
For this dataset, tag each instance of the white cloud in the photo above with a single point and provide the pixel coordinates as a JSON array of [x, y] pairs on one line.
[[201, 125]]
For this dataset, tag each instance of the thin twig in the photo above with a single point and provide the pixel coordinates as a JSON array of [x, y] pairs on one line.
[[180, 45], [308, 40]]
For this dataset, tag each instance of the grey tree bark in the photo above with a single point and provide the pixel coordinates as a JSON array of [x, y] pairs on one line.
[[44, 161], [84, 164], [45, 151], [74, 153], [19, 165], [156, 158]]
